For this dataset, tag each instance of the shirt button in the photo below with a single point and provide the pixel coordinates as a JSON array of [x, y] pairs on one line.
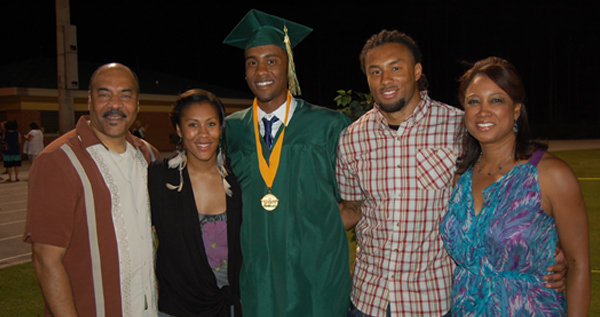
[[398, 224]]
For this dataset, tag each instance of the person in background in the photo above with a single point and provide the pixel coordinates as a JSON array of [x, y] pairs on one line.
[[139, 130], [511, 204], [12, 154], [293, 239], [196, 207], [35, 142]]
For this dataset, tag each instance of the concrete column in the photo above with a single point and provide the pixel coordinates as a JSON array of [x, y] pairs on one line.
[[66, 59]]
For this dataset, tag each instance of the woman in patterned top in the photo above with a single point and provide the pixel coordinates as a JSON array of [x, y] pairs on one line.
[[197, 213], [511, 203]]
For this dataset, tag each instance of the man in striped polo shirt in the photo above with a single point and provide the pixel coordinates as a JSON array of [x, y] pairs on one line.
[[88, 218]]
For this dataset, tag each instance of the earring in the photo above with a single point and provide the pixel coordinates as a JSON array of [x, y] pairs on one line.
[[179, 161], [220, 157], [222, 170], [515, 128]]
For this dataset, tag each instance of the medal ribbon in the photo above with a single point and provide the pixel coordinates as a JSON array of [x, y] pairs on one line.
[[268, 172]]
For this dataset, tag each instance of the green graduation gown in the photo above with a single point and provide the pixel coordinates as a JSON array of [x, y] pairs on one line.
[[296, 256]]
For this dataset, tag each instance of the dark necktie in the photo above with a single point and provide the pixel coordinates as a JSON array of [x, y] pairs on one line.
[[268, 135]]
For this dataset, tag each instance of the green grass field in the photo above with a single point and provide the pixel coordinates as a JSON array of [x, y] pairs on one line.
[[21, 296], [586, 165], [20, 293]]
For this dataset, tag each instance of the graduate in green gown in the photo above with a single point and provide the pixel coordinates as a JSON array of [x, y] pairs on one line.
[[293, 239]]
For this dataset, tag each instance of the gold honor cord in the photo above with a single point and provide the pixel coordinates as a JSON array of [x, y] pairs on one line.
[[269, 202]]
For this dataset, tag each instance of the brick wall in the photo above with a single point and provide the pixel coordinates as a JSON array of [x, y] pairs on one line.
[[157, 120], [158, 129], [25, 118]]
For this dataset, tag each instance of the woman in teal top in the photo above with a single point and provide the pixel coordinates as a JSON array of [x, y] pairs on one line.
[[511, 203]]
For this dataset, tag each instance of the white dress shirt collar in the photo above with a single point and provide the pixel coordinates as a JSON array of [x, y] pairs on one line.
[[279, 113]]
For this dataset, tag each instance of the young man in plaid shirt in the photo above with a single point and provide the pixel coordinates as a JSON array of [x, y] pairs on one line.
[[395, 170]]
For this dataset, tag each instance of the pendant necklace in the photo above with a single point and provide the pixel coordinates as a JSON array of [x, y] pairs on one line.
[[490, 173]]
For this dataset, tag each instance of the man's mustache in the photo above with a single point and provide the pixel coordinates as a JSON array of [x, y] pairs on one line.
[[114, 112]]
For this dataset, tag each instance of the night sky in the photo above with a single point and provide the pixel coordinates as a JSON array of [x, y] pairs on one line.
[[556, 48]]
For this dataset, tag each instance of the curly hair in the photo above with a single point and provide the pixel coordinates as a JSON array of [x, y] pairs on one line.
[[391, 37]]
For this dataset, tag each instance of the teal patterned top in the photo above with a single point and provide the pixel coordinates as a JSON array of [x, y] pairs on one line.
[[503, 252]]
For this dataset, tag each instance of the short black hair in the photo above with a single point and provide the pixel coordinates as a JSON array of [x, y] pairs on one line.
[[11, 125], [389, 37]]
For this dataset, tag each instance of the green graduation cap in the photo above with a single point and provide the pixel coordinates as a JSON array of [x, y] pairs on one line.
[[258, 28]]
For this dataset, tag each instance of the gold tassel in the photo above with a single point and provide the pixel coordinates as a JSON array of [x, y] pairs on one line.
[[292, 78]]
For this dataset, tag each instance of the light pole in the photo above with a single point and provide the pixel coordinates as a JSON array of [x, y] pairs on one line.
[[66, 60]]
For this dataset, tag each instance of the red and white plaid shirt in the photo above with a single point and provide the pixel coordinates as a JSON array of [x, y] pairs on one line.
[[405, 178]]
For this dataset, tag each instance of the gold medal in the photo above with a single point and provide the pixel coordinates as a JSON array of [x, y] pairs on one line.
[[268, 171], [269, 202]]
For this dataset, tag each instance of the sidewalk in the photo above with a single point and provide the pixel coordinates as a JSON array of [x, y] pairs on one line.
[[13, 205], [13, 211]]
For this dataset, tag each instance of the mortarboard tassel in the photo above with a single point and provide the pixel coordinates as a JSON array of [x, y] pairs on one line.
[[292, 78]]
